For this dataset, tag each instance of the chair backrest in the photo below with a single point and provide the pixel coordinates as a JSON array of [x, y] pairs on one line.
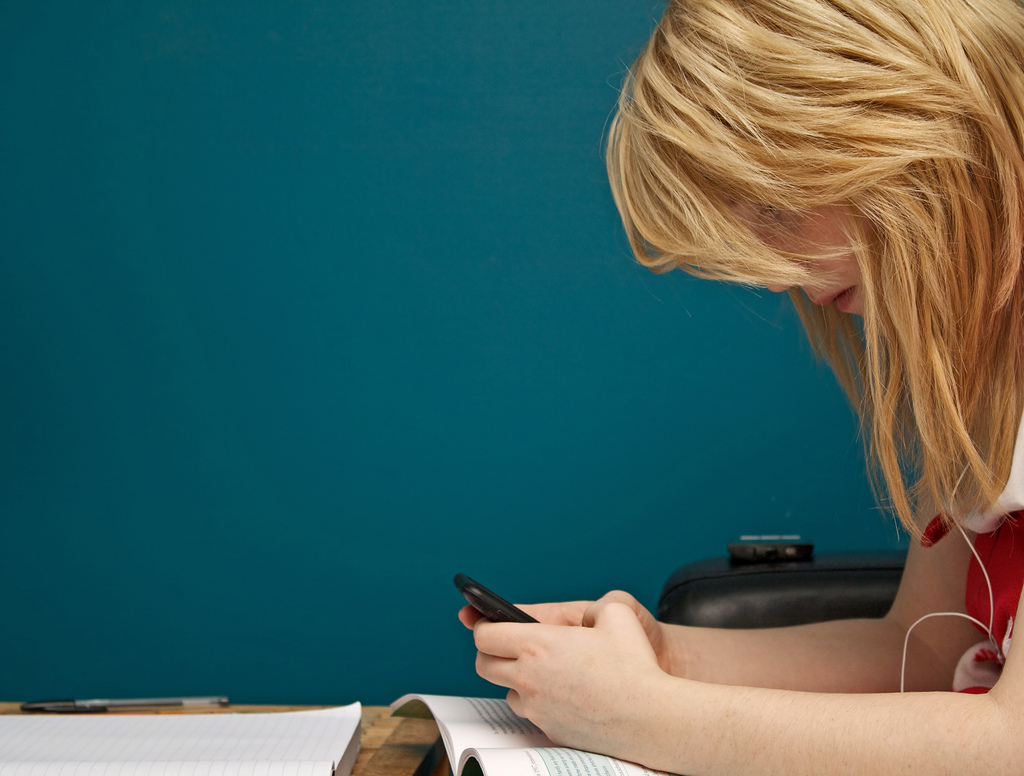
[[717, 592]]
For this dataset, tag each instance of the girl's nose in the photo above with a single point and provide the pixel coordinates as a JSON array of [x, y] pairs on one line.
[[777, 289]]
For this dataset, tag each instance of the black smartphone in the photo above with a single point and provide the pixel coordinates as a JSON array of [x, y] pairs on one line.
[[490, 605]]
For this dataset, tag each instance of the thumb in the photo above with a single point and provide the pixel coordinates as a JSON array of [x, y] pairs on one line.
[[610, 613], [619, 623]]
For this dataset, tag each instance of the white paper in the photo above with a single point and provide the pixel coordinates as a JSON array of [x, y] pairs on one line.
[[298, 743]]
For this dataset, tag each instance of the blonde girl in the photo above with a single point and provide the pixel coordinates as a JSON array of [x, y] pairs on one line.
[[866, 157]]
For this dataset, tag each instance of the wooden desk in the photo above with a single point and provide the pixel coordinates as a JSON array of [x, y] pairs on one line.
[[391, 746]]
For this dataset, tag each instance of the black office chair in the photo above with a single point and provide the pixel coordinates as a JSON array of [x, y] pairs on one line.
[[719, 592]]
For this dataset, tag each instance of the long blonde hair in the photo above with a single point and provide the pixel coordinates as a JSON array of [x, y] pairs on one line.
[[910, 115]]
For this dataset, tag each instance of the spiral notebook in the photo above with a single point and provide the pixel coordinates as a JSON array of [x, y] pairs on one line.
[[324, 742]]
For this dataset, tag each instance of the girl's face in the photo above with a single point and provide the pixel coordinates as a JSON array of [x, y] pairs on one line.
[[837, 279]]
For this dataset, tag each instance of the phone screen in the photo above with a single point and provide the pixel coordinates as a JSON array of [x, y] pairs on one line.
[[489, 604]]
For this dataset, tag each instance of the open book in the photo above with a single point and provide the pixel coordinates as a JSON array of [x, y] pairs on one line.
[[295, 743], [484, 736]]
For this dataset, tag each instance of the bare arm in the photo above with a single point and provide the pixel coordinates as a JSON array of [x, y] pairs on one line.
[[614, 686], [715, 729], [862, 655], [845, 655], [600, 688]]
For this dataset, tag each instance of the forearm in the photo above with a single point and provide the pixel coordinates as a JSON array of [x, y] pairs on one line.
[[845, 655], [856, 655], [702, 730], [603, 688]]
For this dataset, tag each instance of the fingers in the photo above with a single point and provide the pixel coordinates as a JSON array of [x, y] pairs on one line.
[[562, 613], [469, 616], [501, 639], [496, 670], [515, 703]]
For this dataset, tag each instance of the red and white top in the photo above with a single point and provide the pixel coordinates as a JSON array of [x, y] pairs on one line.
[[1000, 545]]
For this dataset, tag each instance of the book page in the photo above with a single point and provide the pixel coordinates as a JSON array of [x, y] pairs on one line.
[[483, 734], [548, 761], [481, 723], [297, 743]]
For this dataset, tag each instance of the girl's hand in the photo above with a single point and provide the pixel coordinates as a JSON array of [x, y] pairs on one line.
[[583, 686], [567, 613], [572, 613]]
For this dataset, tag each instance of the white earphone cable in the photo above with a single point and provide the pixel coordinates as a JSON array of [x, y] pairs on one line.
[[983, 626]]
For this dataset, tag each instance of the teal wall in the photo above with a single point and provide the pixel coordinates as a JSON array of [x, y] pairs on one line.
[[306, 306]]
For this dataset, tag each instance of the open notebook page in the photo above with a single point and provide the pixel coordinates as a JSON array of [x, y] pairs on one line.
[[298, 743]]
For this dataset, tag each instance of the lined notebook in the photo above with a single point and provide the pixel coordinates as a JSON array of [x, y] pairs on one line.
[[324, 742]]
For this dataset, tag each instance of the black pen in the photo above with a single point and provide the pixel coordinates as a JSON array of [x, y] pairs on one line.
[[71, 706]]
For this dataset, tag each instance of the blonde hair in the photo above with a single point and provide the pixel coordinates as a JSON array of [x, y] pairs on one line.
[[909, 114]]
